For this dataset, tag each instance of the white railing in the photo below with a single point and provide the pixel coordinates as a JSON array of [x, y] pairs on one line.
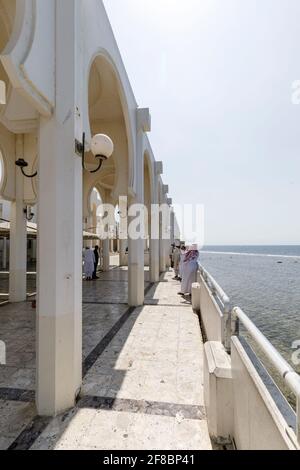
[[218, 310], [221, 323], [289, 375], [215, 288]]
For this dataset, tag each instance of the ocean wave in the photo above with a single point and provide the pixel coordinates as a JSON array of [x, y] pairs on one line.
[[250, 254]]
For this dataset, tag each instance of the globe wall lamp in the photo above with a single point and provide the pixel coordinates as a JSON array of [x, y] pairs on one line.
[[102, 148]]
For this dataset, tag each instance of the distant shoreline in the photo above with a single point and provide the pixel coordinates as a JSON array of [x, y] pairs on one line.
[[249, 254], [276, 251]]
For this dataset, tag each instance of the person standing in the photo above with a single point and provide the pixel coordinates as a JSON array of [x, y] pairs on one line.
[[176, 260], [189, 270], [182, 257], [171, 254], [89, 264], [96, 255]]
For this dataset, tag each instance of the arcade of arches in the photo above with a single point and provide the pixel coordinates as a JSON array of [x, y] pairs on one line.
[[113, 363]]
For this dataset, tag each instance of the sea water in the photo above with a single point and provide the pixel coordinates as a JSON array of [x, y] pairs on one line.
[[265, 282]]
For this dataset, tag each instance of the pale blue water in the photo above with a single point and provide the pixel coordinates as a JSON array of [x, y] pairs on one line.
[[265, 282]]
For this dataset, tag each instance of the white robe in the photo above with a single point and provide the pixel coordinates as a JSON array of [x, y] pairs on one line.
[[182, 256], [189, 275], [89, 263], [176, 259]]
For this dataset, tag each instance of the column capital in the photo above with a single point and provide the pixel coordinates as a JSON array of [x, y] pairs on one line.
[[144, 119], [165, 189], [159, 168]]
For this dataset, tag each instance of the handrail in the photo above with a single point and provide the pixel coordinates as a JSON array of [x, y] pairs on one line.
[[236, 316], [216, 288], [289, 375], [222, 297]]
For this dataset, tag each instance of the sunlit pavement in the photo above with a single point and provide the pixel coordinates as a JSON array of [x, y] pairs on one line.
[[143, 384]]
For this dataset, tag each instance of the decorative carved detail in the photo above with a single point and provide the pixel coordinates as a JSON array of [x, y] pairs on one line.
[[144, 119], [159, 169], [165, 189]]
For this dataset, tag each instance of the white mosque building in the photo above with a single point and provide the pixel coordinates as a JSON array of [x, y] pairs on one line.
[[61, 76], [123, 361]]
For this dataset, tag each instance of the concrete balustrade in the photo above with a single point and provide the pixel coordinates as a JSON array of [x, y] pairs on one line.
[[196, 296], [218, 390], [243, 404], [258, 423], [211, 314]]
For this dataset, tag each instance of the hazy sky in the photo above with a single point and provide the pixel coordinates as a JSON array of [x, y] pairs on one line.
[[217, 76]]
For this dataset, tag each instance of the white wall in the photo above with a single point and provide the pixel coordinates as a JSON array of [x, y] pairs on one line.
[[211, 315], [258, 424]]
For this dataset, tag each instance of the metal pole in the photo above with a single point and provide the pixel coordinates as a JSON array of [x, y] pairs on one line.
[[298, 419], [235, 324]]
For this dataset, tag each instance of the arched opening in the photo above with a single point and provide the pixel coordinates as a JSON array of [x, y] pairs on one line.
[[106, 297], [30, 241], [4, 236], [7, 18], [147, 202], [96, 212], [108, 114]]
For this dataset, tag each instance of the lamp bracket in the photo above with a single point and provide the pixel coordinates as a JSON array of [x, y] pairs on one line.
[[80, 150], [21, 163]]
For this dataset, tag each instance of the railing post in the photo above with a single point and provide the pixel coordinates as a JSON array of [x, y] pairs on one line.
[[235, 324], [298, 419], [227, 328]]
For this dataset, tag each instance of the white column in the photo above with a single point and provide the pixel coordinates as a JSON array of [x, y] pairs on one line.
[[167, 247], [168, 240], [123, 256], [162, 260], [166, 244], [4, 253], [172, 226], [90, 229], [106, 260], [162, 257], [136, 273], [18, 236], [59, 314], [154, 260]]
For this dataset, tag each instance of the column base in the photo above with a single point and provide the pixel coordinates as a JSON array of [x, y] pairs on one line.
[[136, 285], [17, 286], [57, 374]]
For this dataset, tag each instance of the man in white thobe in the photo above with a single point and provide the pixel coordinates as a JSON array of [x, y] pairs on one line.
[[189, 270], [89, 264], [176, 260]]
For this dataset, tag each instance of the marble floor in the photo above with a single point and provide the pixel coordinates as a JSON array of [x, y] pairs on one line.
[[4, 284], [143, 383]]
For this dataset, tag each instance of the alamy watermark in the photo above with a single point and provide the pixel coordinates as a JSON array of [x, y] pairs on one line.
[[155, 221]]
